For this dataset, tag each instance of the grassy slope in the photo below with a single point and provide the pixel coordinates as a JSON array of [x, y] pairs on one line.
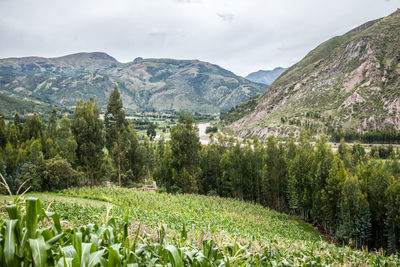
[[323, 94], [227, 221], [10, 105]]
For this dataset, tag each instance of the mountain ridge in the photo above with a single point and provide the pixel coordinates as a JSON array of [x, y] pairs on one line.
[[349, 82], [266, 77], [145, 84]]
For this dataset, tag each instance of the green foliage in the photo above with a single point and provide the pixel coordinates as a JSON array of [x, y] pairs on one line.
[[376, 177], [88, 131], [12, 105], [151, 131], [393, 211], [28, 243], [322, 164], [227, 229], [211, 129], [58, 174], [85, 75], [274, 175], [33, 128], [3, 136], [241, 110], [115, 127], [332, 194], [354, 216], [324, 93], [300, 178], [66, 142], [183, 157]]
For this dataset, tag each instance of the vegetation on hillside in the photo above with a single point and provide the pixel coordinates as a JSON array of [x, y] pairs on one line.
[[349, 194], [145, 229], [349, 82], [144, 84], [11, 106]]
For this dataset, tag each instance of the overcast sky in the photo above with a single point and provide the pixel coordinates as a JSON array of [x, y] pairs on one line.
[[240, 35]]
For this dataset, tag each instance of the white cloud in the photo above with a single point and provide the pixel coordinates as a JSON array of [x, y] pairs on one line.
[[240, 35], [226, 16]]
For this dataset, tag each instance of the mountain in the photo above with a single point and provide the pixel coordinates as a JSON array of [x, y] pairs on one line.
[[265, 76], [144, 84], [350, 82], [10, 105]]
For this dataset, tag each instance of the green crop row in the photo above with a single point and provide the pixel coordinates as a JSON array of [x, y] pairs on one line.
[[281, 238], [34, 237]]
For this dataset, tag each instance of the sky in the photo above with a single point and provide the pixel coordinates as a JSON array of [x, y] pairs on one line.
[[240, 35]]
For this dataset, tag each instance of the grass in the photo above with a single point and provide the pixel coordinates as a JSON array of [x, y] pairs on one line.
[[226, 221]]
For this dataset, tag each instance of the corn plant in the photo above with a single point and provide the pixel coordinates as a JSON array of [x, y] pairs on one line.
[[35, 237]]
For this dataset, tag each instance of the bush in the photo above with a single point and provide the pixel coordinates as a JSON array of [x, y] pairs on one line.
[[58, 174], [211, 129]]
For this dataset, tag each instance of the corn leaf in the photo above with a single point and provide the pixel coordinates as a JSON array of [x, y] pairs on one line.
[[39, 253], [31, 216], [175, 256], [9, 242]]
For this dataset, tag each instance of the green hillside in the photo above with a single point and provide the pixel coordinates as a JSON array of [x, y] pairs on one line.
[[145, 84], [11, 105], [350, 82], [243, 233]]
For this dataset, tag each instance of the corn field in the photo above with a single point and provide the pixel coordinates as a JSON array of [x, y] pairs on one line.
[[120, 227]]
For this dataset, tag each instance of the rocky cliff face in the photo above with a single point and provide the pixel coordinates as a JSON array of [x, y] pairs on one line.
[[350, 82], [145, 84]]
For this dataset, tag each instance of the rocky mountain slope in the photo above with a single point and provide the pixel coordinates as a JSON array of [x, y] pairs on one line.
[[265, 76], [350, 82], [145, 84]]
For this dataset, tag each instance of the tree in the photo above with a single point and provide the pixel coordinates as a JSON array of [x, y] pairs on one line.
[[115, 125], [185, 145], [58, 174], [354, 215], [274, 175], [344, 154], [3, 136], [11, 157], [233, 172], [14, 131], [66, 141], [323, 158], [87, 128], [151, 131], [52, 124], [132, 158], [358, 154], [32, 174], [33, 127], [392, 223], [331, 194], [209, 158], [376, 178], [299, 187]]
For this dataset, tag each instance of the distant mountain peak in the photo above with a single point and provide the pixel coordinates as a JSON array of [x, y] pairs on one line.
[[89, 55], [265, 76]]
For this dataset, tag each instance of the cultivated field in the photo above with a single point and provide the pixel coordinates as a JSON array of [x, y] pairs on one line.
[[178, 230]]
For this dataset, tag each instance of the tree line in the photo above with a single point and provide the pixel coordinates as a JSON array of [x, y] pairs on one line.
[[83, 150], [349, 193]]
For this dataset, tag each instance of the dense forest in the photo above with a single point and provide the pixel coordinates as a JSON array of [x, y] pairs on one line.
[[350, 194]]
